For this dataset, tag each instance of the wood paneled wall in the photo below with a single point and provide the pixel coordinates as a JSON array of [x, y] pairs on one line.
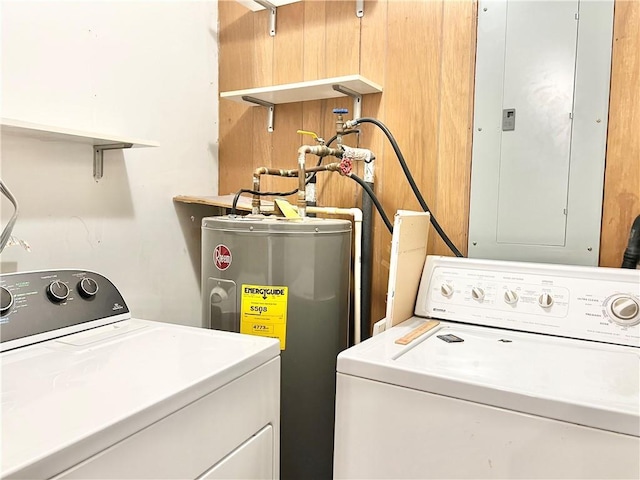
[[622, 171], [422, 53]]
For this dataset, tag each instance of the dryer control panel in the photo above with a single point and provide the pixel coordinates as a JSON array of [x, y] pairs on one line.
[[590, 303], [36, 306]]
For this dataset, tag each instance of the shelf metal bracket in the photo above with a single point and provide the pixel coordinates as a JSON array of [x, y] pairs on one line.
[[98, 156], [270, 109], [272, 15], [357, 99], [359, 8]]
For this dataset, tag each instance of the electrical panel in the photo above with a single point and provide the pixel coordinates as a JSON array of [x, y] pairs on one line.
[[540, 128]]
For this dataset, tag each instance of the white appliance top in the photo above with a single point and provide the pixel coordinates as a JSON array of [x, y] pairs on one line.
[[582, 382], [59, 394], [551, 340]]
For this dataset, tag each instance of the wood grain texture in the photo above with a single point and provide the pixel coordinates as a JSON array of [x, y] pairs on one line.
[[314, 59], [285, 146], [455, 121], [288, 44], [342, 40], [622, 172], [235, 150], [373, 40], [236, 46], [411, 109], [262, 53]]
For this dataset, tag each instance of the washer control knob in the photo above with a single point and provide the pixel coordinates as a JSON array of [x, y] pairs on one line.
[[477, 293], [625, 311], [6, 300], [510, 297], [87, 287], [57, 291], [446, 289], [545, 300]]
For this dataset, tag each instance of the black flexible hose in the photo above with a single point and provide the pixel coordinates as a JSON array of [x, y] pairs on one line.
[[631, 255], [375, 200], [262, 194], [411, 181]]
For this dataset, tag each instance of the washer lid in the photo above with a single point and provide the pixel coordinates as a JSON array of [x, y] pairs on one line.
[[577, 381], [66, 399]]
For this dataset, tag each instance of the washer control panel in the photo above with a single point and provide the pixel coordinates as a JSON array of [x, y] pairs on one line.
[[37, 303], [590, 303]]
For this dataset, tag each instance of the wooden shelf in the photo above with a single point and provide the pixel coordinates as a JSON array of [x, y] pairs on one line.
[[53, 133], [224, 201], [255, 6], [304, 91]]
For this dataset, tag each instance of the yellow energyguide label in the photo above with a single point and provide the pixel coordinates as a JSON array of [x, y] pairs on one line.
[[263, 311]]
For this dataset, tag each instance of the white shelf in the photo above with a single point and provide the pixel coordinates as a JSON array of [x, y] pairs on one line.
[[51, 133], [305, 91], [255, 6], [61, 134]]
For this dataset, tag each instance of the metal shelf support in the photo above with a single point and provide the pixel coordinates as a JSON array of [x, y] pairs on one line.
[[270, 109], [357, 99], [272, 15], [98, 156]]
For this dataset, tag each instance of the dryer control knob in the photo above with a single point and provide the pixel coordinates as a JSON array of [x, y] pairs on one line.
[[57, 291], [625, 311], [510, 297], [446, 289], [477, 293], [87, 287], [6, 300], [545, 300]]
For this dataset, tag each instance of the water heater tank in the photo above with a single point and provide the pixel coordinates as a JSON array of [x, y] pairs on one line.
[[286, 279]]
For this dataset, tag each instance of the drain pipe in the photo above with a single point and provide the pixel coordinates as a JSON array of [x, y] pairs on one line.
[[367, 157], [356, 213], [367, 249]]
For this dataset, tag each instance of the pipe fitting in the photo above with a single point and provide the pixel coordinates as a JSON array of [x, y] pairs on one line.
[[255, 201], [320, 151]]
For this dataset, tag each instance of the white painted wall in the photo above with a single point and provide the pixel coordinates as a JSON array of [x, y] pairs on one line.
[[131, 68]]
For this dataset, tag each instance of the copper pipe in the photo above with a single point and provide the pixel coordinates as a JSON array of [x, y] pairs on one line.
[[257, 173], [319, 150]]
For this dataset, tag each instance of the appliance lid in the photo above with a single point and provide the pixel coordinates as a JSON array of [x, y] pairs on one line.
[[62, 392], [530, 373]]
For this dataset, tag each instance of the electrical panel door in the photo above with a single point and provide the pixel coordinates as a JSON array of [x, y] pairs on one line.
[[541, 102]]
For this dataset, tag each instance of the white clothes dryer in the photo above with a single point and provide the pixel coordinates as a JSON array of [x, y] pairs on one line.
[[508, 370], [89, 392]]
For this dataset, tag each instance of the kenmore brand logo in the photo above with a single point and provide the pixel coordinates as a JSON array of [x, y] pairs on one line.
[[443, 310]]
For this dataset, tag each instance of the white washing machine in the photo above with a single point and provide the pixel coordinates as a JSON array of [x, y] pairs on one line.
[[89, 392], [508, 370]]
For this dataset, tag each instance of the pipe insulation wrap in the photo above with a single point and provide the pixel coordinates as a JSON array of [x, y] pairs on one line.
[[369, 170], [357, 154]]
